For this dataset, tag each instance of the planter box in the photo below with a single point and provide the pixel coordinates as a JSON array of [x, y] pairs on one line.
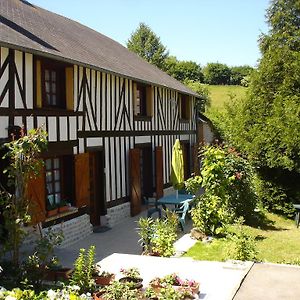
[[59, 274], [63, 208], [52, 212]]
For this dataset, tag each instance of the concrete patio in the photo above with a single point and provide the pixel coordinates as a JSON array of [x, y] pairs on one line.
[[218, 280]]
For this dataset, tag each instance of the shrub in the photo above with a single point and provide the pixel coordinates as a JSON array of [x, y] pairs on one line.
[[83, 270], [242, 245], [226, 174], [193, 184], [158, 236], [210, 214]]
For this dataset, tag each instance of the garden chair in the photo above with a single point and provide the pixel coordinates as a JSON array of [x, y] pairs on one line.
[[181, 212], [152, 207]]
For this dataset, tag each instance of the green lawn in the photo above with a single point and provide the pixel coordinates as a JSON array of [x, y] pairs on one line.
[[277, 241], [222, 93]]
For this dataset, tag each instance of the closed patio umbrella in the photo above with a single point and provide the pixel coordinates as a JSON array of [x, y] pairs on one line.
[[177, 168]]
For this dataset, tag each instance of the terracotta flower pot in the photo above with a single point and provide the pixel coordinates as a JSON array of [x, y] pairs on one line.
[[98, 296], [195, 288], [52, 212], [104, 280], [63, 208]]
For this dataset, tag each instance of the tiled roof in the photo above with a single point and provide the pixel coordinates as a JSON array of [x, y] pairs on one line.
[[26, 26]]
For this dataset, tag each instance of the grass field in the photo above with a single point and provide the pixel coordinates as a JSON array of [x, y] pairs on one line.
[[222, 93], [277, 241]]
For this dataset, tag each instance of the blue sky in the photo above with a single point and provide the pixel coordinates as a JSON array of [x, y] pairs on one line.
[[224, 31]]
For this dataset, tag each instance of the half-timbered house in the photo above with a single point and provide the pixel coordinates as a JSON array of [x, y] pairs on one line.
[[111, 117]]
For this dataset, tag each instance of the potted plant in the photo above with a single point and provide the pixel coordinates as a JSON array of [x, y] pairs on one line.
[[117, 291], [133, 276], [192, 285], [102, 277], [156, 284], [63, 206], [56, 272], [172, 279]]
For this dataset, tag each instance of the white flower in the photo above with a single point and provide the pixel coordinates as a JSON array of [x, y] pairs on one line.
[[51, 295], [10, 298]]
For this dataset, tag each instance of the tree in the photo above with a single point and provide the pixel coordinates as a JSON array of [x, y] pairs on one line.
[[266, 125], [144, 42], [240, 73], [216, 73], [183, 70], [203, 92]]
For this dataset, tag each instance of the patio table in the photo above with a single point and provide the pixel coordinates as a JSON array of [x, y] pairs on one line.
[[174, 200]]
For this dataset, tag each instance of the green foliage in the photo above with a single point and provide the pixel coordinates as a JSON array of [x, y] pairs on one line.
[[120, 290], [242, 245], [229, 193], [210, 214], [25, 163], [184, 70], [265, 125], [240, 74], [158, 236], [193, 184], [216, 73], [83, 270], [144, 42], [204, 99]]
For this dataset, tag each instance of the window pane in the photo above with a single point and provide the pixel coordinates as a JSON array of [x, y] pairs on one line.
[[47, 75], [47, 85], [51, 199], [49, 176], [56, 163], [48, 164], [53, 76], [56, 175], [54, 88], [57, 186], [57, 198], [48, 98], [53, 100], [49, 188]]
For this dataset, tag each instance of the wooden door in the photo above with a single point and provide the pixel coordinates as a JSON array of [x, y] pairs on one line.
[[159, 182], [186, 160], [135, 181], [97, 199], [82, 179]]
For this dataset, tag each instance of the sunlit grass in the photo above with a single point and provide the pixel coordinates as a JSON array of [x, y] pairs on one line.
[[221, 93], [277, 242]]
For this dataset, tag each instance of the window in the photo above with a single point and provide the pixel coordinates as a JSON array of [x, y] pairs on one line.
[[53, 181], [53, 85], [143, 100], [59, 180], [184, 107]]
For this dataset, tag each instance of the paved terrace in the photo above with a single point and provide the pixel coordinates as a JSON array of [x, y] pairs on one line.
[[218, 280]]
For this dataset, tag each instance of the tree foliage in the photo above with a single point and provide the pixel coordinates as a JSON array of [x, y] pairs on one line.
[[216, 73], [147, 44], [266, 125], [184, 70]]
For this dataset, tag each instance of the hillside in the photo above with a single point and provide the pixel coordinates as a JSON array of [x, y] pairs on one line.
[[222, 93]]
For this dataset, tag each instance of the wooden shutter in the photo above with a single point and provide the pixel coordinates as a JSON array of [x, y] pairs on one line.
[[149, 100], [69, 88], [36, 193], [38, 84], [135, 181], [82, 179], [159, 172]]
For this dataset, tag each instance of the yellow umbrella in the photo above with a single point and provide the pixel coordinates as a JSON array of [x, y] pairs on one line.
[[177, 168]]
